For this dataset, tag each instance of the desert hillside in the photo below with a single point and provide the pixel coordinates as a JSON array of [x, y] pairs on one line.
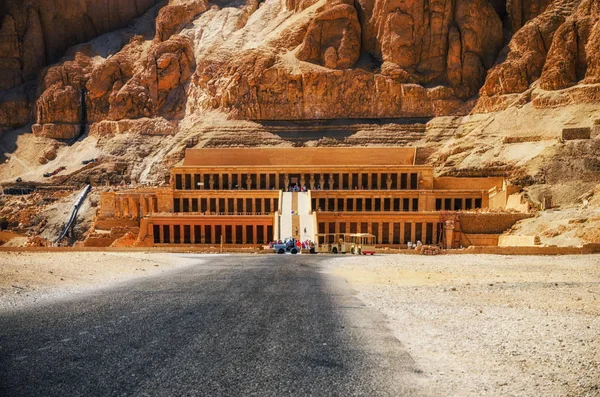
[[485, 87]]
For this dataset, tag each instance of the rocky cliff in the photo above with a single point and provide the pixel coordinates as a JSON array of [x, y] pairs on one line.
[[291, 59], [477, 70]]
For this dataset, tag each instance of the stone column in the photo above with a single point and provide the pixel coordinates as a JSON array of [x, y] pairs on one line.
[[449, 229], [413, 232], [322, 181], [248, 181], [254, 205], [234, 233], [331, 182], [402, 233], [254, 239], [369, 180], [171, 234], [434, 238], [379, 186], [235, 205], [262, 205], [161, 233], [312, 181], [230, 181], [391, 232], [286, 182], [244, 240], [213, 232], [211, 182], [408, 180], [192, 234], [388, 181]]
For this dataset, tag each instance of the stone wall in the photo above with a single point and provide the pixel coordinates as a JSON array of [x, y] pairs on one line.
[[489, 223], [569, 134]]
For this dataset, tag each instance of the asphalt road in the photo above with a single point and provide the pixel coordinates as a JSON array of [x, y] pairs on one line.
[[231, 326]]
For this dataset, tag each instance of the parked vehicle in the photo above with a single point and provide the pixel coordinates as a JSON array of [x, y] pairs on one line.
[[331, 243], [289, 245], [56, 171], [362, 244], [340, 243]]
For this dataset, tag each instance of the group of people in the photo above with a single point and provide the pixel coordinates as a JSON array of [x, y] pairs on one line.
[[297, 188], [306, 244], [415, 245]]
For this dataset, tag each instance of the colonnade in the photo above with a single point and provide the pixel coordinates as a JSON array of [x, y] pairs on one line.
[[229, 205], [212, 233], [365, 204], [283, 181], [387, 232], [135, 206], [458, 204]]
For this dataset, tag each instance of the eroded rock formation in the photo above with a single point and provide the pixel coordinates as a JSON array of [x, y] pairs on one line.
[[558, 49], [37, 33], [293, 59]]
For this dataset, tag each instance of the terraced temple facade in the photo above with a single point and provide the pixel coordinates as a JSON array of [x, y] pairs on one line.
[[255, 195]]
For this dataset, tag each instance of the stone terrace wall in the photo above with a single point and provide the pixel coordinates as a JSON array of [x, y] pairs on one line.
[[489, 223]]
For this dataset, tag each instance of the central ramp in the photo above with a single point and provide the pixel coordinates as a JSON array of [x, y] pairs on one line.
[[306, 217], [297, 219], [285, 220]]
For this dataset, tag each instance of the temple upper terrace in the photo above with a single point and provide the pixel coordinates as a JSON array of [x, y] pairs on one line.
[[304, 168]]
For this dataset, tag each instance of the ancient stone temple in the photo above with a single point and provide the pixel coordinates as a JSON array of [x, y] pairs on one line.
[[256, 195]]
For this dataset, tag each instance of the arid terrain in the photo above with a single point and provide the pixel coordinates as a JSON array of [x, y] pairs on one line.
[[490, 325], [486, 326], [27, 278]]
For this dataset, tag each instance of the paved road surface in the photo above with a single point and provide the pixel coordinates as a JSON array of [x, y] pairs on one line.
[[228, 326]]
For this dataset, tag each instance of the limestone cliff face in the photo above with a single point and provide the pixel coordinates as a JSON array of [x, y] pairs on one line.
[[291, 59], [552, 61], [37, 33]]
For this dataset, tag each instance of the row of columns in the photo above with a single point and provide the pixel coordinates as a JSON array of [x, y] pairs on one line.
[[207, 234], [223, 205], [135, 207], [313, 181], [405, 204], [457, 204], [408, 229]]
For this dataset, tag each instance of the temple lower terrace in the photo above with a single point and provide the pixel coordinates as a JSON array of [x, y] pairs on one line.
[[251, 196]]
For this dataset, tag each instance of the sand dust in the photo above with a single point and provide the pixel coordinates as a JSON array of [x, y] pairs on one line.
[[26, 278], [486, 325]]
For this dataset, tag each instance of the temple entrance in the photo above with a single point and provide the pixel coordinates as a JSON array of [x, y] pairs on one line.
[[294, 182]]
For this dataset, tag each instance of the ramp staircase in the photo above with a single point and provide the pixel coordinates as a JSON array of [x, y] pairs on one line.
[[285, 218], [296, 219], [306, 217]]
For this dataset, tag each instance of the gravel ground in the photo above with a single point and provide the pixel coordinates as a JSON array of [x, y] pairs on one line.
[[486, 325], [27, 278]]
